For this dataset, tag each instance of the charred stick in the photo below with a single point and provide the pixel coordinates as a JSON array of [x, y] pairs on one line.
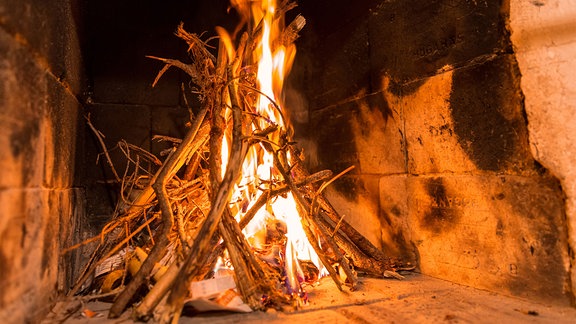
[[326, 236], [329, 240], [194, 42], [206, 272], [201, 249], [263, 281], [215, 160], [161, 288], [360, 261], [363, 243], [366, 262], [138, 206], [308, 226], [260, 202], [269, 194], [359, 240], [218, 124], [246, 268], [216, 134]]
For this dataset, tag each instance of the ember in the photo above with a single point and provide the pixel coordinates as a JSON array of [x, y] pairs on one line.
[[233, 195]]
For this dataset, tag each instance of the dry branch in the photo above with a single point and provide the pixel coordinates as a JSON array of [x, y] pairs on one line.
[[200, 250], [168, 170]]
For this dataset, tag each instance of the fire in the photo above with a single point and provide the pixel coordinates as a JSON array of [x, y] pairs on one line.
[[273, 59]]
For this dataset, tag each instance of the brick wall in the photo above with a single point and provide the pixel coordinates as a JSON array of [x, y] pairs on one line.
[[424, 98], [41, 73]]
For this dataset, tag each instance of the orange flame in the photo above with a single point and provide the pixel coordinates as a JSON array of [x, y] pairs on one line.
[[274, 59]]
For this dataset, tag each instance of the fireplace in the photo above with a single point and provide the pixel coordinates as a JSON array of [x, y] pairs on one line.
[[456, 115]]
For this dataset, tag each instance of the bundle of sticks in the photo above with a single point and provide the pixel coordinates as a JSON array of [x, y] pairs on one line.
[[182, 213]]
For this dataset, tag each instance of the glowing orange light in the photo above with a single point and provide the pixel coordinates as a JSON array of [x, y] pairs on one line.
[[274, 60]]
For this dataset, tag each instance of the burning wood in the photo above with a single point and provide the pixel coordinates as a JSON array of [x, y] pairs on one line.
[[234, 190]]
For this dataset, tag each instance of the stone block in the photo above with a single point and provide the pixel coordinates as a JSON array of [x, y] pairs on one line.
[[506, 234], [22, 98], [29, 255], [337, 65], [60, 139], [366, 132], [410, 40], [69, 207], [394, 211], [54, 44], [468, 119], [544, 38]]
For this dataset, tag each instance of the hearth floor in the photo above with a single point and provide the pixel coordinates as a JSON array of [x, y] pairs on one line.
[[417, 299]]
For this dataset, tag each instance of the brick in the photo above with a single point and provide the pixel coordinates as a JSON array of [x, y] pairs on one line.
[[501, 233], [22, 95], [468, 119], [366, 132], [54, 44], [413, 39], [30, 251]]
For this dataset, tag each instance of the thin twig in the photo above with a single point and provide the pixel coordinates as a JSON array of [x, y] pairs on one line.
[[166, 172], [99, 136]]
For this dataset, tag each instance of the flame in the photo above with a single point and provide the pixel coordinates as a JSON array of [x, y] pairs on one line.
[[274, 59]]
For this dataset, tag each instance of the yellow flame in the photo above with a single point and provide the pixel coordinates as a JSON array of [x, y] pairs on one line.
[[227, 41], [274, 60]]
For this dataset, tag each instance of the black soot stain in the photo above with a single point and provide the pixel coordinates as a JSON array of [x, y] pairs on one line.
[[4, 267], [477, 99], [439, 216], [21, 139], [400, 89], [349, 187]]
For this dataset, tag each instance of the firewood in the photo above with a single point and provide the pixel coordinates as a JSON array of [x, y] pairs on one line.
[[327, 211], [270, 194], [307, 225], [158, 291], [168, 170], [200, 247], [187, 215]]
